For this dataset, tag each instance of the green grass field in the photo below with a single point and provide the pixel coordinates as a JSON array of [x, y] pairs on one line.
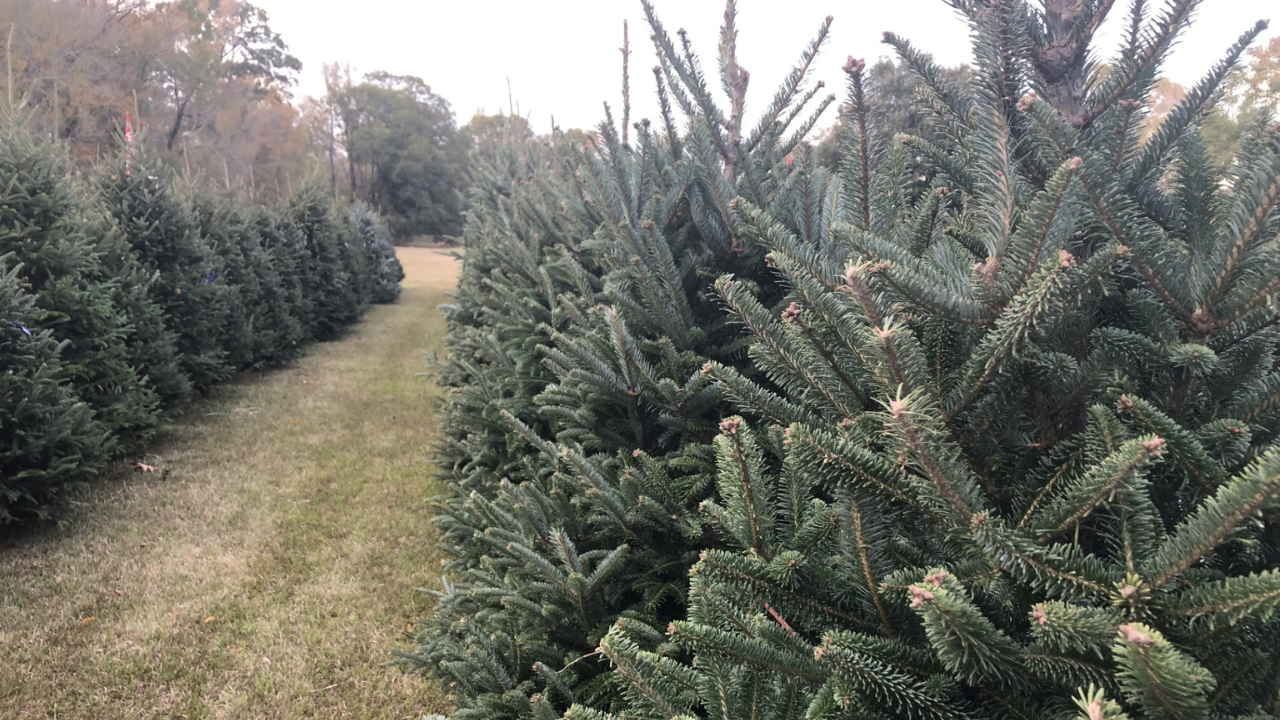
[[268, 565]]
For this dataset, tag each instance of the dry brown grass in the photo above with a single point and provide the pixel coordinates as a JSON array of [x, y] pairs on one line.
[[266, 570]]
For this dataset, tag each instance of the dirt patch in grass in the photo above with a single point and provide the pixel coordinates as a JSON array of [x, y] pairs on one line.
[[267, 567]]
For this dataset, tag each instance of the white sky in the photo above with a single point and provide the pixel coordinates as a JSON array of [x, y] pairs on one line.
[[562, 58]]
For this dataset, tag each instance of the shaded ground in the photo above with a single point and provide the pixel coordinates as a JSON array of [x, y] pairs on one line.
[[266, 568]]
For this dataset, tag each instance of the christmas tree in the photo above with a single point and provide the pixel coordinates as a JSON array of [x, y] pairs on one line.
[[327, 284], [48, 437], [164, 234], [43, 235], [282, 246], [151, 345], [577, 434], [994, 441], [385, 272], [1013, 454], [122, 295], [227, 234]]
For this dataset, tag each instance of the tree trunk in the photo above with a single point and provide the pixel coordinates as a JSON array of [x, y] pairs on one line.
[[177, 122], [1062, 59]]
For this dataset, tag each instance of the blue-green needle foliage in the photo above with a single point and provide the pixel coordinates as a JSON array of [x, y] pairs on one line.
[[578, 428], [994, 442]]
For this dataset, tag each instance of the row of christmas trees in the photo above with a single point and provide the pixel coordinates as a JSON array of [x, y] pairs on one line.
[[125, 293], [981, 426]]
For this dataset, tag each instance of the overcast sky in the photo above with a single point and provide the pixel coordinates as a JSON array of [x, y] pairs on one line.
[[561, 56]]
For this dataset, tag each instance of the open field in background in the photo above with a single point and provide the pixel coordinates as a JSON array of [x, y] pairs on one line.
[[267, 566]]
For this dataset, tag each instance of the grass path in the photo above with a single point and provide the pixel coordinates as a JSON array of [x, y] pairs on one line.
[[266, 569]]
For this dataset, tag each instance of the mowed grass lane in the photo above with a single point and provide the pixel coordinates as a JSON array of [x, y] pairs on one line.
[[266, 568]]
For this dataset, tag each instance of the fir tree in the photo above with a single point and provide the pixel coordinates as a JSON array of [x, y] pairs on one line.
[[385, 272], [48, 437], [326, 280], [164, 234], [288, 303], [1006, 434], [355, 257], [582, 321], [1018, 453], [43, 233], [151, 345], [224, 228]]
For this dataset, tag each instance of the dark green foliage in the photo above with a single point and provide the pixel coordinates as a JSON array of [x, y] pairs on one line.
[[228, 233], [120, 297], [327, 285], [384, 271], [992, 440], [42, 232], [274, 313], [405, 156], [1051, 476], [282, 244], [151, 345], [48, 437], [355, 258], [165, 236]]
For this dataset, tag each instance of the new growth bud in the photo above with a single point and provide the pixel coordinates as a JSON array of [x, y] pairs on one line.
[[791, 314], [1095, 709], [1134, 635], [919, 596]]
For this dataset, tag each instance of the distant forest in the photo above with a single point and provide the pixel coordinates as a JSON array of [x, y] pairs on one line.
[[209, 84]]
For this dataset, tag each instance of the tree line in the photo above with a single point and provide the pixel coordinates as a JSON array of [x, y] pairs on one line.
[[126, 292], [211, 84], [208, 85]]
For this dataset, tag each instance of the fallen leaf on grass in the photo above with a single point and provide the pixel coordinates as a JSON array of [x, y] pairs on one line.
[[208, 620], [145, 467], [87, 620]]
